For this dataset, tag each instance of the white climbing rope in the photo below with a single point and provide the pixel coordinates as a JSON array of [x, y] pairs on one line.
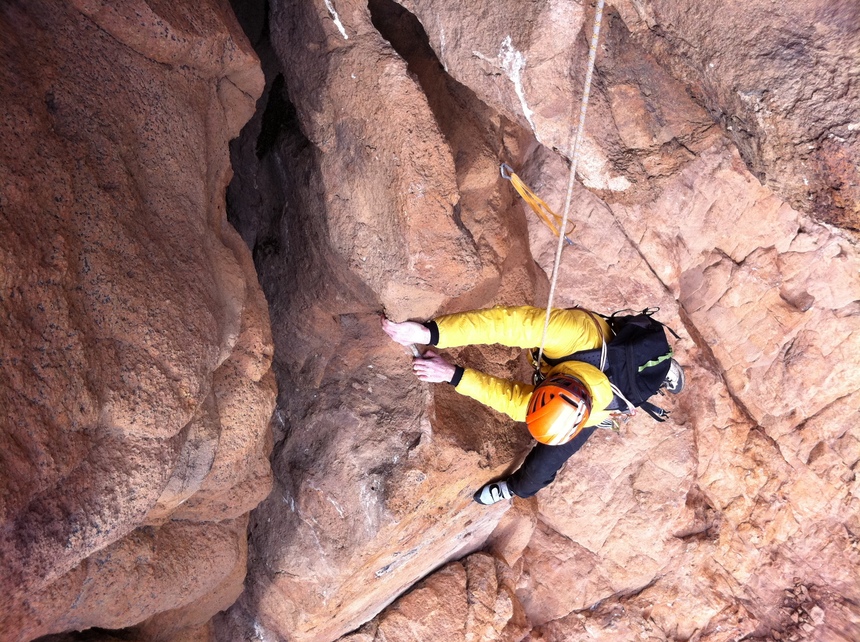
[[592, 55]]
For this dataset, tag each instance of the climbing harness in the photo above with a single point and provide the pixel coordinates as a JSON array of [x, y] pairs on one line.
[[592, 55]]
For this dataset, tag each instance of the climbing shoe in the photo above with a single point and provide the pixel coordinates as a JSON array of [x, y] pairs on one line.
[[493, 492], [674, 381]]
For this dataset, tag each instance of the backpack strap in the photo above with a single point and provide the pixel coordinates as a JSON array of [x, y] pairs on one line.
[[656, 412]]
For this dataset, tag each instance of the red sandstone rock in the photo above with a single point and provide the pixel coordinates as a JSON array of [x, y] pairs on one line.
[[731, 432], [781, 79], [374, 480], [389, 190], [736, 518], [126, 582], [758, 497], [466, 600], [636, 513], [136, 344]]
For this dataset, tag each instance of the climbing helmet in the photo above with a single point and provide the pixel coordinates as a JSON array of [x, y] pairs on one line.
[[558, 409]]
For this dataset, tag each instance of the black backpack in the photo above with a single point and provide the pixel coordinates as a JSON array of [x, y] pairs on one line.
[[638, 359]]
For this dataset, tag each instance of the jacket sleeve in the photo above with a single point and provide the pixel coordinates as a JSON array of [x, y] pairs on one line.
[[508, 397], [568, 332]]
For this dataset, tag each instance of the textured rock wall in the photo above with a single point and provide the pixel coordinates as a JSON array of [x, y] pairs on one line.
[[373, 478], [721, 147], [735, 519], [136, 379], [782, 81], [779, 79]]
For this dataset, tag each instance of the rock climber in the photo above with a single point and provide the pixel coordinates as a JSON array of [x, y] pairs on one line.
[[562, 412]]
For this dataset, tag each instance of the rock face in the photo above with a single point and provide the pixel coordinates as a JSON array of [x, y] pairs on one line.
[[136, 349], [718, 182], [781, 79], [737, 517], [373, 479]]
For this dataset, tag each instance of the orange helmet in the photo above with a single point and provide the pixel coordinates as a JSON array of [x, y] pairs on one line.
[[558, 409]]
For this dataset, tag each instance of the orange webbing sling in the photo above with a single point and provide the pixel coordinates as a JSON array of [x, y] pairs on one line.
[[544, 212]]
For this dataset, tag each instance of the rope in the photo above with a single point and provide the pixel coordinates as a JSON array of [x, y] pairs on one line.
[[543, 211], [592, 55]]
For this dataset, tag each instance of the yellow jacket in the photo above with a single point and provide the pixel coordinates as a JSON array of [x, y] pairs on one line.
[[569, 331]]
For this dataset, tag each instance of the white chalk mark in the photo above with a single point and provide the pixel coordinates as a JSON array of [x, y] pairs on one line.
[[260, 634], [336, 506], [512, 62], [336, 18]]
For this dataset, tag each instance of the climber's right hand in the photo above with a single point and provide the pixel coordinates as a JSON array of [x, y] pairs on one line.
[[433, 368]]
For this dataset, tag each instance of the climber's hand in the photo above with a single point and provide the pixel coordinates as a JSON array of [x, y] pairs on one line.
[[406, 332], [433, 368]]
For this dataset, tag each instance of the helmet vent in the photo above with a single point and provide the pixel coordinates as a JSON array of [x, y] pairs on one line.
[[573, 402]]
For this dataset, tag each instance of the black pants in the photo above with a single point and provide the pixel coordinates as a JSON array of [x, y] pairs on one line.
[[542, 463]]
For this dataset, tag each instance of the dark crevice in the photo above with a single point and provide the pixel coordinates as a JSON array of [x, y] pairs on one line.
[[404, 32], [279, 116], [266, 154], [253, 17]]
